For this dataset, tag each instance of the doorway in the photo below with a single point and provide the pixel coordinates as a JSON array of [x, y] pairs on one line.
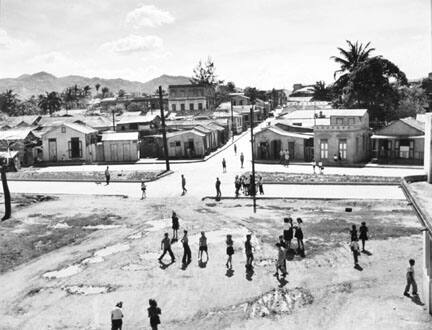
[[52, 150], [275, 149], [75, 147], [291, 150]]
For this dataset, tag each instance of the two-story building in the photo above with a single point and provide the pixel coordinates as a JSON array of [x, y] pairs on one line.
[[191, 99], [344, 138]]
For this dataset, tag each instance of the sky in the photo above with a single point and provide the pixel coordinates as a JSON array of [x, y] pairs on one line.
[[261, 43]]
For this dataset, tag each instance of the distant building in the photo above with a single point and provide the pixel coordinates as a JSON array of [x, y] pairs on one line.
[[148, 124], [21, 140], [191, 99], [402, 141], [345, 135]]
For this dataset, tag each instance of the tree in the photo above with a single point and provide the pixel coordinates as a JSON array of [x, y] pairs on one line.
[[9, 102], [373, 85], [351, 57], [105, 92], [28, 107], [253, 93], [204, 74], [87, 91], [50, 103], [223, 92], [97, 86], [121, 93], [412, 101], [6, 193], [322, 92]]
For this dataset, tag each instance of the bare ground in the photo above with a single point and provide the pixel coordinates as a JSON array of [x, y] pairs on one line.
[[68, 283]]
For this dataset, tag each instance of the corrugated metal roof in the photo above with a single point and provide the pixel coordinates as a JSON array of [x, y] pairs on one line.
[[120, 136], [15, 134], [129, 119], [282, 132], [414, 123]]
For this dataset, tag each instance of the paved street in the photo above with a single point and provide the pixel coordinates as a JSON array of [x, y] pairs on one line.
[[201, 176]]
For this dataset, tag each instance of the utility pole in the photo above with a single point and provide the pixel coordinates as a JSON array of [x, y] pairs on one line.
[[232, 118], [113, 119], [253, 160], [165, 144]]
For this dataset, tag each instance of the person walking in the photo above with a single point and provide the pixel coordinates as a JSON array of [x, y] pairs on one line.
[[355, 251], [153, 313], [241, 159], [224, 165], [260, 185], [410, 280], [229, 251], [143, 189], [299, 235], [281, 261], [363, 234], [183, 181], [107, 176], [288, 232], [353, 233], [166, 247], [175, 226], [202, 246], [249, 251], [117, 317], [218, 191], [187, 255], [235, 149]]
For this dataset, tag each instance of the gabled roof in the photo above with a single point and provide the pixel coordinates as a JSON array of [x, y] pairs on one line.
[[131, 119], [81, 128], [120, 136], [15, 134], [280, 131], [20, 121], [414, 123]]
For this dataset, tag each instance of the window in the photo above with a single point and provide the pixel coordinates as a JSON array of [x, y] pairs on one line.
[[339, 121], [182, 107], [63, 129], [234, 102], [200, 106], [173, 107], [133, 126], [177, 143], [191, 106], [241, 102], [324, 149], [351, 121], [343, 148]]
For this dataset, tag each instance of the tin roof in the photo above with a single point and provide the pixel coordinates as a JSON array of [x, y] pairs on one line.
[[120, 136]]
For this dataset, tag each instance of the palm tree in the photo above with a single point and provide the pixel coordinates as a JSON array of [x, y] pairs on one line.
[[87, 91], [351, 57], [321, 92], [50, 102], [97, 86], [9, 102], [105, 91]]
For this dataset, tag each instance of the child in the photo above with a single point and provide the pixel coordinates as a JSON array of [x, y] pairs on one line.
[[224, 165], [166, 247], [153, 313], [187, 255], [281, 261], [143, 189], [260, 185], [410, 279], [175, 226], [299, 235], [229, 251], [202, 246], [248, 251], [353, 233], [356, 251], [321, 167], [363, 235], [288, 232]]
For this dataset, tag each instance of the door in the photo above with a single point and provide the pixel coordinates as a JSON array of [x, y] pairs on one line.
[[52, 150], [75, 148], [275, 149], [308, 150], [291, 150]]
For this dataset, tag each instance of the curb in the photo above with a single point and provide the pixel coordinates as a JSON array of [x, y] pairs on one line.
[[337, 183], [274, 198], [362, 165]]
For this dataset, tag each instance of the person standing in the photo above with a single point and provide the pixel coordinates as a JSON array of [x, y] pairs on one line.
[[299, 235], [235, 149], [288, 232], [241, 159], [353, 233], [363, 234], [187, 255], [410, 280], [143, 189], [321, 167], [218, 191], [224, 165], [107, 176], [202, 246], [260, 185], [183, 181], [355, 251], [237, 185], [229, 251], [175, 226], [282, 157], [287, 157], [117, 317], [314, 164], [166, 247], [248, 251], [281, 261], [153, 313]]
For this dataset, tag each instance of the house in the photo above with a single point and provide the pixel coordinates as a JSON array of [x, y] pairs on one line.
[[343, 133], [273, 139], [147, 124], [244, 112], [20, 121], [120, 147], [69, 142], [191, 99], [225, 118], [239, 99], [402, 141], [21, 140]]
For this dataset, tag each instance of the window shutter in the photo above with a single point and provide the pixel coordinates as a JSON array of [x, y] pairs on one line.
[[70, 149], [80, 149]]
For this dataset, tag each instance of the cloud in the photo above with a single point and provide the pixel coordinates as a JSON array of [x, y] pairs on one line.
[[133, 44], [148, 16], [9, 43]]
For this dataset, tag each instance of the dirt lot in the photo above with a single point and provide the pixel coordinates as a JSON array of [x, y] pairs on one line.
[[93, 176], [90, 252], [280, 177]]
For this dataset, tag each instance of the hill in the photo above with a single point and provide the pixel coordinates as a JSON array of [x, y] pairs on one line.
[[41, 82]]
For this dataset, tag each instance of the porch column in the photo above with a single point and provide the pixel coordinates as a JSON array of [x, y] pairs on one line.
[[428, 147]]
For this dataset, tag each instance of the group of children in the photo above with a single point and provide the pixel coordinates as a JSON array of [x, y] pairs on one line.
[[355, 248], [243, 183], [153, 313]]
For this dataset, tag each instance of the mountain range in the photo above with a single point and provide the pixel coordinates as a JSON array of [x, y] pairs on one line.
[[27, 85]]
